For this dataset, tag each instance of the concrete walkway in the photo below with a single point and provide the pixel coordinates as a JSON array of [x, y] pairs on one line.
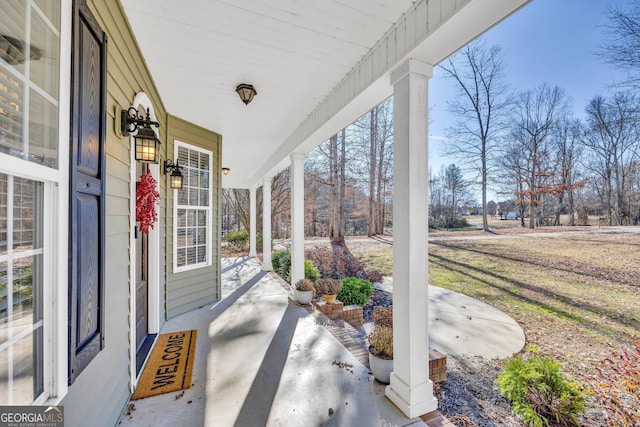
[[262, 361], [459, 325]]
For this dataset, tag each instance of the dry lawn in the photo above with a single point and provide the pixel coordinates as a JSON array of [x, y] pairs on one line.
[[576, 296]]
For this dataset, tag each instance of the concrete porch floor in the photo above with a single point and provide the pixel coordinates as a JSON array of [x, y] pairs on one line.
[[262, 361]]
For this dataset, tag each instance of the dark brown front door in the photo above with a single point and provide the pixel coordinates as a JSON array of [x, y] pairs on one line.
[[142, 276]]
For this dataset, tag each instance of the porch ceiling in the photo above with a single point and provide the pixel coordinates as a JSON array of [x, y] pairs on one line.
[[297, 54]]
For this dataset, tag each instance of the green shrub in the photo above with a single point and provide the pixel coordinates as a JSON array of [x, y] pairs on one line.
[[281, 262], [539, 392], [259, 241], [310, 271], [355, 291], [238, 239]]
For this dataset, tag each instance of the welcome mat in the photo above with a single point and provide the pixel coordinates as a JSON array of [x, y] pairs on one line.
[[170, 365]]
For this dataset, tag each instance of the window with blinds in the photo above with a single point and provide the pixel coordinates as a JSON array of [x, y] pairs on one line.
[[192, 207]]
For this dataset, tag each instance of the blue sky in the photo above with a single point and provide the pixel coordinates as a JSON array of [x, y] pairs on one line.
[[550, 41]]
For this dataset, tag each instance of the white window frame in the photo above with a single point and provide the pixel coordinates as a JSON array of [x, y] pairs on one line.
[[208, 262], [55, 229]]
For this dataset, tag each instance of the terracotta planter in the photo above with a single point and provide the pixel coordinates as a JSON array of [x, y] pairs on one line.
[[304, 297], [330, 299], [380, 368]]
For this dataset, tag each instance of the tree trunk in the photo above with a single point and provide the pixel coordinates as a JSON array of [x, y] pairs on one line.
[[485, 222], [373, 145], [532, 196], [379, 193], [336, 196], [343, 179]]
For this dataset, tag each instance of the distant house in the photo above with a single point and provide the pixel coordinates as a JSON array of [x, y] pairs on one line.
[[509, 215]]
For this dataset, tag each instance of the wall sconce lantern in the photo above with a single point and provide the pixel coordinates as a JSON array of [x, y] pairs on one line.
[[175, 178], [246, 92], [225, 171], [147, 144]]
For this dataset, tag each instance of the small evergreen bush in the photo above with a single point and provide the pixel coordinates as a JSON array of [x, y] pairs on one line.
[[281, 262], [355, 291], [310, 271], [238, 240], [539, 392]]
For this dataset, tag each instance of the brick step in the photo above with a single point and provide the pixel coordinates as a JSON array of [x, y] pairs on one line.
[[346, 332]]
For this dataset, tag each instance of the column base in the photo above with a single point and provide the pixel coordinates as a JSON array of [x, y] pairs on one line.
[[267, 266], [253, 254], [412, 401]]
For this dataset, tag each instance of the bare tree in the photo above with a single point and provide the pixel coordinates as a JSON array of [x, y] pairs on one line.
[[568, 149], [612, 139], [373, 157], [478, 71], [621, 45], [238, 201], [536, 113], [448, 192], [373, 133], [512, 173], [337, 176]]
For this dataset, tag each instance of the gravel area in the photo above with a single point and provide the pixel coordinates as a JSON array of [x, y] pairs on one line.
[[470, 397], [382, 298]]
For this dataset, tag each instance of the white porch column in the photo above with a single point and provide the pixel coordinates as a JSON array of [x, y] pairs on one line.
[[297, 220], [266, 223], [410, 388], [252, 222]]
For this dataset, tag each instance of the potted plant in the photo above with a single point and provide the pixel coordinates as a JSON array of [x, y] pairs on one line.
[[304, 291], [329, 288], [381, 344], [381, 353]]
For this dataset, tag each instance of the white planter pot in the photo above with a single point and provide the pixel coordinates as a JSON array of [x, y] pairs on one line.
[[304, 297], [380, 368]]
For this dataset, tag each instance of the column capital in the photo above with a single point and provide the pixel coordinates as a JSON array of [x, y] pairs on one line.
[[297, 156], [267, 178], [411, 66]]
